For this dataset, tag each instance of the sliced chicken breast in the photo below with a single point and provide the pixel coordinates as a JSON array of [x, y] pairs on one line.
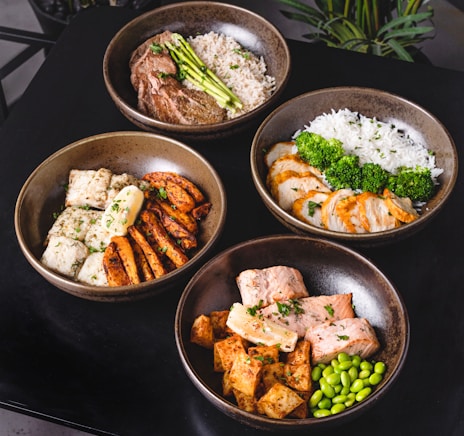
[[330, 218], [278, 150], [350, 335], [400, 207], [348, 211], [291, 162], [288, 186], [374, 214], [308, 208], [261, 287], [304, 313]]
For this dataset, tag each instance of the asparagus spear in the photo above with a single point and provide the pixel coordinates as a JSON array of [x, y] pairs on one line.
[[195, 71]]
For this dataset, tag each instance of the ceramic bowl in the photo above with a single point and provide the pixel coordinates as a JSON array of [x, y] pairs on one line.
[[417, 122], [327, 268], [135, 153], [250, 30]]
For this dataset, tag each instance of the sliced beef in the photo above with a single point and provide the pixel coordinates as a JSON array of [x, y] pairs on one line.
[[161, 95]]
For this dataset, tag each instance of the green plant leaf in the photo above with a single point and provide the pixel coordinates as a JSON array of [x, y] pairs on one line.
[[400, 51]]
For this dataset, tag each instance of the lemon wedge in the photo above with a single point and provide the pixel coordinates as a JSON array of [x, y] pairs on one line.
[[259, 330], [122, 211]]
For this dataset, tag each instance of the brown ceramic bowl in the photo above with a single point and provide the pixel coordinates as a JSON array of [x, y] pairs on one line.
[[252, 31], [327, 267], [136, 153], [291, 116]]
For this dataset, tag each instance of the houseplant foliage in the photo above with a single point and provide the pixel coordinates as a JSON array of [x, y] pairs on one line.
[[389, 28]]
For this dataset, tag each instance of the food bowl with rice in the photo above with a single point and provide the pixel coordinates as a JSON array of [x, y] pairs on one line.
[[358, 165], [120, 216], [196, 70]]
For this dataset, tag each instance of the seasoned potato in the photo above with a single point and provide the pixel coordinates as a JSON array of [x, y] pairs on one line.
[[245, 374], [273, 373], [225, 352], [298, 377], [279, 401], [245, 402], [267, 354], [202, 332], [301, 353]]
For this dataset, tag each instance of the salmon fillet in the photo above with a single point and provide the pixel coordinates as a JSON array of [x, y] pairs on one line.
[[300, 315], [261, 287], [349, 335]]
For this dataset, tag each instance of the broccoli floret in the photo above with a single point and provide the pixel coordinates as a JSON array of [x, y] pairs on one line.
[[414, 183], [374, 178], [318, 151], [345, 173]]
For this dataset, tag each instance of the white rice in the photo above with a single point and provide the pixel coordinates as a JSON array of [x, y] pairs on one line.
[[242, 71], [374, 141]]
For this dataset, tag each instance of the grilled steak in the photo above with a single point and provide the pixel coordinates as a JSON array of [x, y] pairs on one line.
[[161, 95]]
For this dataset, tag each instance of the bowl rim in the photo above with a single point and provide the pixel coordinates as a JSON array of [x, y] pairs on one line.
[[89, 291], [261, 421], [412, 227], [139, 117]]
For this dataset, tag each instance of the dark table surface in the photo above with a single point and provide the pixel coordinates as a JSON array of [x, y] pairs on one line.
[[113, 368]]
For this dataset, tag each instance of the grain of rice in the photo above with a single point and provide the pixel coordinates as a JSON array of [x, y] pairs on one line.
[[242, 71], [374, 141]]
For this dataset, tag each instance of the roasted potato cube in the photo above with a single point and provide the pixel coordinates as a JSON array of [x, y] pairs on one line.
[[225, 352], [245, 402], [298, 377], [245, 374], [301, 353], [279, 401], [202, 332], [302, 410], [218, 320], [227, 389], [267, 354], [273, 373]]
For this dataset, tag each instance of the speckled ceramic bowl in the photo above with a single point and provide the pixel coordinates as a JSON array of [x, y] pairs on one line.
[[327, 268], [421, 125], [135, 153], [252, 31]]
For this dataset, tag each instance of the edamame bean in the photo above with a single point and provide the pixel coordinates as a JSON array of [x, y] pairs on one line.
[[345, 390], [375, 378], [364, 373], [326, 388], [325, 403], [316, 397], [345, 379], [327, 371], [380, 368], [363, 394], [339, 399], [316, 373], [333, 379], [346, 364], [337, 408], [365, 365], [356, 386], [350, 399], [343, 357], [321, 413], [356, 360], [353, 373]]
